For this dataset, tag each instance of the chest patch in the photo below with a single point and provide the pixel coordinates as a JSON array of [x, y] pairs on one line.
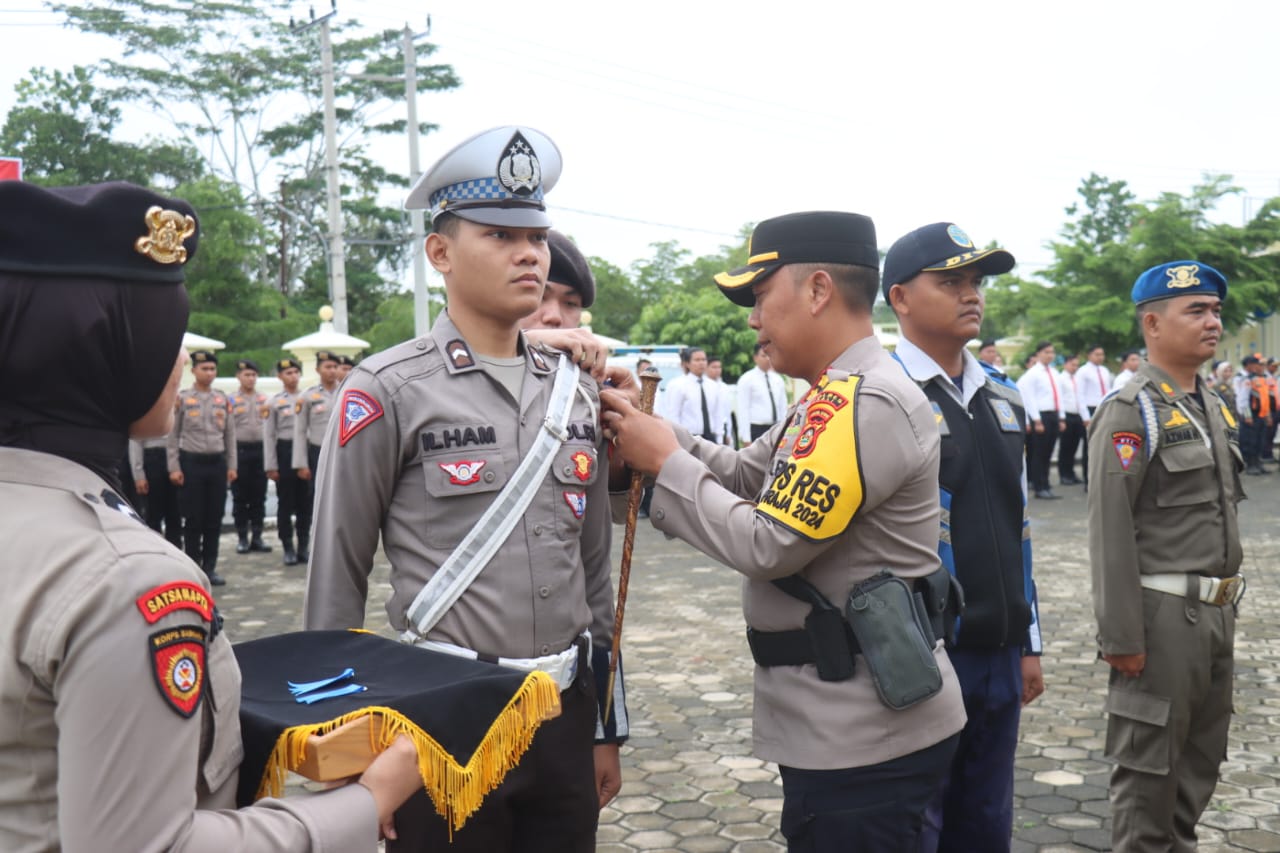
[[178, 664], [940, 419], [1005, 417], [464, 472], [577, 502]]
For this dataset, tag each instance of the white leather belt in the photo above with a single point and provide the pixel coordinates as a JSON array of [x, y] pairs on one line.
[[1212, 590], [562, 667]]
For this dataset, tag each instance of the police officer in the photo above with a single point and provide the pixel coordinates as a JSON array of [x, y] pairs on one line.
[[345, 365], [933, 280], [293, 495], [1164, 544], [202, 461], [149, 459], [431, 433], [311, 420], [109, 640], [249, 491], [1257, 407], [845, 488]]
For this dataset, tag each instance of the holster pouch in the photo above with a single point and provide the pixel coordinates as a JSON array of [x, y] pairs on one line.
[[832, 643], [894, 641], [944, 601]]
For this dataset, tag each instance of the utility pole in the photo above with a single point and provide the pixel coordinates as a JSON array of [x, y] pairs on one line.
[[421, 300], [337, 251]]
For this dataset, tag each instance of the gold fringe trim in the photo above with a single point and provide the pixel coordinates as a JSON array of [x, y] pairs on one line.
[[456, 791]]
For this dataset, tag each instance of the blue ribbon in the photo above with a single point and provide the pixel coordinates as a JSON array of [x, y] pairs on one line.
[[309, 686]]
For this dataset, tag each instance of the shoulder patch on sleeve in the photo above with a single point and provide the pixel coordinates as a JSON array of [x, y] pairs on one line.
[[177, 662], [1127, 444], [818, 488], [359, 409], [180, 595]]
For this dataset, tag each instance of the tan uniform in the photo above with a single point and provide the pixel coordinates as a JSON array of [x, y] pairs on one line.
[[312, 414], [95, 753], [423, 472], [883, 513], [1161, 502], [278, 426], [203, 425], [249, 413]]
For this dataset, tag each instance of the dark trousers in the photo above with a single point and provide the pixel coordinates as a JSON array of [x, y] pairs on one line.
[[1252, 438], [758, 430], [1040, 450], [293, 498], [163, 514], [1070, 437], [249, 491], [203, 498], [546, 804], [1084, 450], [974, 810], [1267, 451], [873, 809], [128, 489]]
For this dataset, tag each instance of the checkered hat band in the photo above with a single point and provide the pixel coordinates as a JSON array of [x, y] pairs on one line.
[[482, 189]]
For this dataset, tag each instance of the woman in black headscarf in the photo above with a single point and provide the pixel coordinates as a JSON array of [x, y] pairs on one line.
[[110, 649]]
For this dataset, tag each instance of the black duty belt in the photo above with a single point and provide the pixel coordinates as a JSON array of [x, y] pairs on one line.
[[201, 457], [250, 445]]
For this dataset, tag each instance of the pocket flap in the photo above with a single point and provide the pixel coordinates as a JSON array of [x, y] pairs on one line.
[[1134, 705]]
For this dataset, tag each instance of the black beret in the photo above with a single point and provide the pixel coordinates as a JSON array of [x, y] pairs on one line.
[[286, 363], [115, 230], [203, 356], [570, 268], [347, 360], [247, 364], [325, 355]]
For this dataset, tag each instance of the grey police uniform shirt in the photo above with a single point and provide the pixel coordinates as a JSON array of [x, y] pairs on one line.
[[1175, 512], [138, 456], [755, 510], [203, 424], [447, 438], [278, 426], [93, 757], [311, 420], [249, 412]]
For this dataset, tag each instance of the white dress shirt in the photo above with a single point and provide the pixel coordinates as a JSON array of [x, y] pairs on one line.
[[683, 403], [1038, 386], [755, 389], [1093, 382], [1069, 393], [1122, 379]]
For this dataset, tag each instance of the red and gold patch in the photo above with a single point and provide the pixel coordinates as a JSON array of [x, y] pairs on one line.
[[581, 465], [181, 595], [822, 408], [177, 662], [1127, 445]]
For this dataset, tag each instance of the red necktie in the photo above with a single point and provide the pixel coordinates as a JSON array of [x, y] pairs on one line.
[[1053, 385], [1102, 386]]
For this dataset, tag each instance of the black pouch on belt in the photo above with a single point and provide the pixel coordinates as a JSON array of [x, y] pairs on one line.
[[895, 640]]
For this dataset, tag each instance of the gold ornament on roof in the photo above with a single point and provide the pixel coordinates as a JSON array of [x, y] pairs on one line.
[[168, 229]]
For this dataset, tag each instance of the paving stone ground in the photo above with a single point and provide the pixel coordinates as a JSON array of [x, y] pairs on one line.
[[692, 785]]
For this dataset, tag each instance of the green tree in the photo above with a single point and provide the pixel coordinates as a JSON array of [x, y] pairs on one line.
[[618, 302], [66, 130]]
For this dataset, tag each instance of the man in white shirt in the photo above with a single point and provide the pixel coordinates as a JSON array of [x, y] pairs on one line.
[[1093, 382], [1039, 388], [691, 401], [762, 398], [1072, 433], [1129, 365], [722, 412]]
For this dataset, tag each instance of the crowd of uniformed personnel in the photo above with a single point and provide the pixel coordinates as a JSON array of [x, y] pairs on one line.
[[880, 526]]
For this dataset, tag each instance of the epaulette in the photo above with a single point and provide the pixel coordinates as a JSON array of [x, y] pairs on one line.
[[1127, 393]]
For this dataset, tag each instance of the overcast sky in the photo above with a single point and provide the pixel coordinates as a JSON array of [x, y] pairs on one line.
[[684, 120]]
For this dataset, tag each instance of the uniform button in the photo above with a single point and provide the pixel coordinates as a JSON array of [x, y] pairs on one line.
[[489, 476], [568, 469], [537, 530], [546, 650], [422, 345], [660, 514], [544, 591]]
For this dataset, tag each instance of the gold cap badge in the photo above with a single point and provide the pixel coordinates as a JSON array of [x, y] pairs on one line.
[[1184, 276], [168, 229]]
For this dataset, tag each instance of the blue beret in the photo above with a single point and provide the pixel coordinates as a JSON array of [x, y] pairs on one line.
[[1178, 278]]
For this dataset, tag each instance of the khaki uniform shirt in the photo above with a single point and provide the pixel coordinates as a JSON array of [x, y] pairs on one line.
[[1171, 512], [249, 411], [846, 486], [203, 424], [311, 420], [425, 442], [94, 753], [278, 426]]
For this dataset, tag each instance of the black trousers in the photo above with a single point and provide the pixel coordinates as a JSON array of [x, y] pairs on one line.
[[546, 804], [293, 497], [203, 498], [1084, 450], [163, 514], [758, 430], [874, 809], [249, 491], [1040, 450], [1070, 438]]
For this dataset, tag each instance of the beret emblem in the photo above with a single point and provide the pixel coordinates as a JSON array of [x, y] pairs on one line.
[[168, 228], [1183, 276]]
